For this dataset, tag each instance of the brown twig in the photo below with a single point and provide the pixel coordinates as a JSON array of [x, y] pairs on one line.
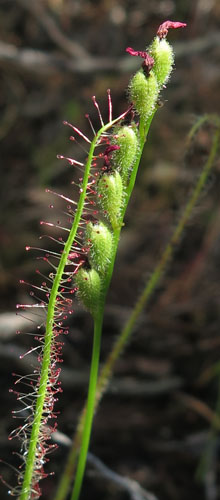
[[133, 488]]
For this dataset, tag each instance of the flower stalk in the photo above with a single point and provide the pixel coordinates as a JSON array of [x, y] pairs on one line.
[[34, 459], [141, 303], [104, 194], [144, 92]]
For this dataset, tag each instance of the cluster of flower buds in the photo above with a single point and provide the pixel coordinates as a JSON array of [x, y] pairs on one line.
[[119, 158], [87, 255], [156, 69], [98, 238], [99, 235], [110, 191]]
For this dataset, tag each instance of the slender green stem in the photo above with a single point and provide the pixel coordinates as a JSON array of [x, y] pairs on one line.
[[213, 119], [142, 301], [86, 422], [97, 333], [43, 384], [86, 426], [143, 132], [39, 409], [90, 406], [158, 272]]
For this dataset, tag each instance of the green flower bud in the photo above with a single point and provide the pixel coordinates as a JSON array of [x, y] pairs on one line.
[[110, 192], [126, 138], [88, 283], [162, 53], [143, 92], [100, 241]]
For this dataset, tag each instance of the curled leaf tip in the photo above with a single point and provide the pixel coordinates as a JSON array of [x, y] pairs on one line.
[[164, 27]]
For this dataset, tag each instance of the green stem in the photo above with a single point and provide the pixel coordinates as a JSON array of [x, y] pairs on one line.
[[30, 462], [142, 301], [143, 132], [90, 406], [86, 425], [158, 272], [86, 422], [97, 334], [40, 400]]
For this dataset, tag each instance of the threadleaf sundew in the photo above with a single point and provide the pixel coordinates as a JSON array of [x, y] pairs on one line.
[[83, 264]]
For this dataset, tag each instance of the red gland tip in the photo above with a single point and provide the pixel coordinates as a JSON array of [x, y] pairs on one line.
[[164, 27]]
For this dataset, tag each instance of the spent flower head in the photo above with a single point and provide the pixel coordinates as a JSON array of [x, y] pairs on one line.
[[148, 60], [164, 27]]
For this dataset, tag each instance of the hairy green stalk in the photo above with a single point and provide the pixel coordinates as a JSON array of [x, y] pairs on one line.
[[114, 189], [141, 302], [26, 486], [30, 460], [90, 405], [91, 401], [114, 183]]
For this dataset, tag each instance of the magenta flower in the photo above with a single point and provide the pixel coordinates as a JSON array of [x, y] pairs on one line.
[[164, 27], [148, 60], [108, 153]]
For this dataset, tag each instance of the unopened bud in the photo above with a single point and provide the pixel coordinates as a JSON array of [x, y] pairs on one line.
[[143, 92], [110, 192], [162, 53], [100, 240], [88, 283], [127, 140]]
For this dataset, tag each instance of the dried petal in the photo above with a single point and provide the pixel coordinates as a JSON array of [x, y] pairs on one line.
[[148, 60], [164, 27], [139, 53]]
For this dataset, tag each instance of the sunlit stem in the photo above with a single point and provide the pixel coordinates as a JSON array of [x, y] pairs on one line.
[[142, 301], [43, 384], [144, 128]]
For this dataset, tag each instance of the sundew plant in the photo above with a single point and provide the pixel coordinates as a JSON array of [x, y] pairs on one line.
[[82, 267]]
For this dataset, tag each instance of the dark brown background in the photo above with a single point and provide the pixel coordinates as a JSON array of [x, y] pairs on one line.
[[153, 425]]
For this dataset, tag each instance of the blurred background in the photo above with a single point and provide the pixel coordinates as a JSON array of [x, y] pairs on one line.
[[154, 425]]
